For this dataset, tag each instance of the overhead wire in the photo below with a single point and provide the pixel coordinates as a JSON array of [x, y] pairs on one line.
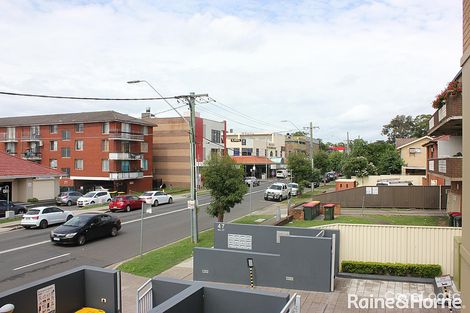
[[82, 98]]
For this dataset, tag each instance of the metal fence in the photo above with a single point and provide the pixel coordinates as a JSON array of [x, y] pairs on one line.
[[398, 244], [145, 297], [419, 197], [293, 305]]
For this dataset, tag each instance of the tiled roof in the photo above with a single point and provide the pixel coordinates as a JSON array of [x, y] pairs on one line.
[[14, 167], [251, 160], [403, 141], [71, 118]]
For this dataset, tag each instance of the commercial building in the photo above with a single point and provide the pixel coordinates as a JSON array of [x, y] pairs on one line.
[[300, 144], [171, 162], [261, 144], [104, 148], [413, 155]]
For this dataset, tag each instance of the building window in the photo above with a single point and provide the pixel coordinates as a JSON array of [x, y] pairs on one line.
[[78, 164], [105, 128], [144, 164], [145, 130], [247, 151], [125, 166], [53, 163], [276, 153], [35, 131], [53, 129], [66, 170], [79, 145], [66, 134], [11, 147], [144, 147], [53, 145], [125, 147], [105, 145], [236, 151], [79, 127], [243, 142], [105, 165], [125, 127], [11, 133], [257, 152], [215, 136], [265, 152], [65, 152], [271, 154]]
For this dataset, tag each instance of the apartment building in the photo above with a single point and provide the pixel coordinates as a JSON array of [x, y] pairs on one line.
[[260, 144], [300, 144], [444, 151], [105, 148], [413, 155], [171, 153]]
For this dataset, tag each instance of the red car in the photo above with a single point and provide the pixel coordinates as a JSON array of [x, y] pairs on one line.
[[125, 202]]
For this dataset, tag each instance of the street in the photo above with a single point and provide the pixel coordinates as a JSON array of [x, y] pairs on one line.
[[28, 255]]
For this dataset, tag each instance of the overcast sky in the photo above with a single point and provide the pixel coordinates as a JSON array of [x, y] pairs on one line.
[[345, 65]]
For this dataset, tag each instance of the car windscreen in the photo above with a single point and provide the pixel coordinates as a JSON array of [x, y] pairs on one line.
[[275, 187], [293, 185], [119, 198], [89, 195], [32, 212], [79, 221], [147, 194], [63, 194]]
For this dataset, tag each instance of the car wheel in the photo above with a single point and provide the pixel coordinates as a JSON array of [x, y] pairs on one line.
[[170, 200], [265, 198], [69, 203], [26, 227], [69, 218], [109, 200], [92, 202], [155, 203], [21, 211], [114, 231], [128, 208], [288, 196], [81, 240], [43, 224]]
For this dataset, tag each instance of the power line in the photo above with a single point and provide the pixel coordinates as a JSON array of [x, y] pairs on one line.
[[232, 120], [82, 98]]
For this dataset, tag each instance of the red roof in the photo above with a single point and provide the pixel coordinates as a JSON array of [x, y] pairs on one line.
[[251, 160], [14, 167]]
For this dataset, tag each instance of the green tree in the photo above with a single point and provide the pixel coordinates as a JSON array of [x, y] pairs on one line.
[[301, 168], [359, 147], [358, 166], [421, 124], [390, 162], [400, 126], [336, 159], [224, 178], [321, 161], [299, 134]]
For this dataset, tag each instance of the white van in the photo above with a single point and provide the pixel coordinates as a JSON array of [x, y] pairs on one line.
[[281, 173]]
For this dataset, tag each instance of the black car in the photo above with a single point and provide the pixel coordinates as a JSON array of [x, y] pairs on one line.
[[86, 227], [18, 208]]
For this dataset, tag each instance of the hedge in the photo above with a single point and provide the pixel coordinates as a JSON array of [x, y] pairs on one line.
[[392, 269]]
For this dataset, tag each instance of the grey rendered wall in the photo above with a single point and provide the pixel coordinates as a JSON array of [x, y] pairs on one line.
[[164, 288], [103, 284], [264, 237], [189, 300]]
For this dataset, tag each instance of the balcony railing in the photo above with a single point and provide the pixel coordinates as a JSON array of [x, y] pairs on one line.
[[5, 137], [125, 156], [448, 119], [31, 137], [449, 167], [126, 136], [32, 156], [126, 175]]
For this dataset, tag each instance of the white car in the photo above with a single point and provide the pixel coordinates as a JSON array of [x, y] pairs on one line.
[[156, 197], [294, 188], [277, 191], [44, 216], [94, 197]]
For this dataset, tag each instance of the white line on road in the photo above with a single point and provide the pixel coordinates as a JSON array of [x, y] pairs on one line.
[[153, 216], [39, 262], [24, 247]]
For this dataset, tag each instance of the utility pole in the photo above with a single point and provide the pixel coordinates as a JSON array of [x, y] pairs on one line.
[[192, 152], [347, 144], [311, 150]]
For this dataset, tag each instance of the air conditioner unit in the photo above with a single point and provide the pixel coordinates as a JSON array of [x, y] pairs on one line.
[[40, 143]]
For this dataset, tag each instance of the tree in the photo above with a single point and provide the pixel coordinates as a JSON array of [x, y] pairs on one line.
[[301, 168], [336, 159], [402, 126], [299, 134], [359, 167], [359, 147], [390, 162], [421, 124], [224, 178]]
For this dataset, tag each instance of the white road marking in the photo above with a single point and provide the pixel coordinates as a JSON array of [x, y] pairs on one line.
[[153, 216], [39, 262], [24, 247]]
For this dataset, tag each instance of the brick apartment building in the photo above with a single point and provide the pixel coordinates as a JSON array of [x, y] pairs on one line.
[[170, 160], [103, 148]]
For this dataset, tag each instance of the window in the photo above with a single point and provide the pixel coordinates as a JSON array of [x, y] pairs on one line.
[[275, 153], [125, 166], [105, 145], [105, 128], [257, 152], [11, 133], [125, 127], [66, 170], [215, 136], [243, 142], [266, 152], [79, 145], [65, 152], [11, 147], [125, 147], [79, 127], [53, 163], [247, 151], [78, 164], [53, 129], [35, 131], [105, 165], [145, 130], [144, 164], [144, 147], [53, 145], [66, 134], [236, 151]]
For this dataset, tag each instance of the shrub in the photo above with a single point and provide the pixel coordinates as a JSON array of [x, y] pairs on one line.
[[392, 269], [33, 200]]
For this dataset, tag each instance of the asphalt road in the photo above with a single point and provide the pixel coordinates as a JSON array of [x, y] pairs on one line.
[[27, 254]]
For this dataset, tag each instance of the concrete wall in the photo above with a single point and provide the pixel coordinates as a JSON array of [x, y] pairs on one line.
[[208, 126], [45, 189]]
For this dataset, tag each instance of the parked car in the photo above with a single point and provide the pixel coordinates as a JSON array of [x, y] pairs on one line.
[[277, 191], [125, 202], [94, 197], [156, 197], [394, 183], [282, 173], [18, 208], [44, 216], [316, 184], [294, 188], [68, 198], [251, 180], [86, 227]]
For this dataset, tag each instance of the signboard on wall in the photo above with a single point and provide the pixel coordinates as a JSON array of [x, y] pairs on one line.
[[236, 241], [46, 299]]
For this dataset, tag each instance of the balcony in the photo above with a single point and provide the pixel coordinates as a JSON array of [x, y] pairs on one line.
[[126, 136], [5, 137], [125, 175], [125, 156], [447, 167], [448, 119], [32, 156], [31, 137]]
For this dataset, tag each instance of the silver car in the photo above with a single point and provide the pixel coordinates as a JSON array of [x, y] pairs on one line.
[[68, 197]]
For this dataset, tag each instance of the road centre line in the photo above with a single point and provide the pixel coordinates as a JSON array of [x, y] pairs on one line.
[[39, 262]]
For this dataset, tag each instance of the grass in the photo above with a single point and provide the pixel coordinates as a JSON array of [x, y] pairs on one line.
[[94, 206], [377, 219], [158, 261], [307, 195], [10, 219], [251, 219]]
